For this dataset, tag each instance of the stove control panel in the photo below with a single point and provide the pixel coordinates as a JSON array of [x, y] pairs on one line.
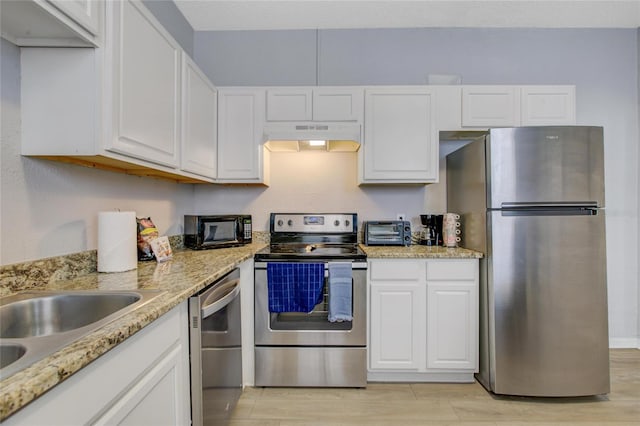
[[314, 223]]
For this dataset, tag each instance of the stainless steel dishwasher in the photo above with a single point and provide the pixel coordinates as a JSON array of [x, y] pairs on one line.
[[215, 351]]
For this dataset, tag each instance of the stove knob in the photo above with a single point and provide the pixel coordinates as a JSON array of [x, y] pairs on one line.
[[280, 222], [346, 223], [336, 223], [290, 222]]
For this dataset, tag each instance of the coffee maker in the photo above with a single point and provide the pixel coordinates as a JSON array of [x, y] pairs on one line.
[[431, 233]]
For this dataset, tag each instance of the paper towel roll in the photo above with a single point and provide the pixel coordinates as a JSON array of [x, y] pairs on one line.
[[117, 237]]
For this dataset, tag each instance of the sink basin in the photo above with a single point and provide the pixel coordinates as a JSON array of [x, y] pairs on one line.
[[10, 353], [56, 313], [36, 324]]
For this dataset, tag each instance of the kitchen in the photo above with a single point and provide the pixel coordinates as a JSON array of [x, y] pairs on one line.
[[38, 222]]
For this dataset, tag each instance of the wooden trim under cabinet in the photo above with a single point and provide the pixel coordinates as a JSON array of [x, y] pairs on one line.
[[119, 166]]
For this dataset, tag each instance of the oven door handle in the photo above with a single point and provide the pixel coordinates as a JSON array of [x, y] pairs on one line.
[[216, 301]]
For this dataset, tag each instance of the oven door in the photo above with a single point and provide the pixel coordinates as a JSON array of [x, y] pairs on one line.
[[314, 328]]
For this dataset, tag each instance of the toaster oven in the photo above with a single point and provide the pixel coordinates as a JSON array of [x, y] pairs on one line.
[[387, 233]]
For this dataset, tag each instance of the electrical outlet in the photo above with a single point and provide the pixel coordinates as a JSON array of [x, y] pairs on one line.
[[400, 216]]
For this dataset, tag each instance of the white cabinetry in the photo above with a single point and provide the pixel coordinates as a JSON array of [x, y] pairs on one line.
[[199, 121], [490, 106], [423, 319], [117, 107], [548, 105], [506, 106], [400, 143], [84, 12], [146, 87], [452, 314], [142, 381], [314, 104], [397, 326], [241, 152], [52, 22]]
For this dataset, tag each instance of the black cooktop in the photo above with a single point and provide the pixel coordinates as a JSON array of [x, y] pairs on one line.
[[312, 236], [296, 251]]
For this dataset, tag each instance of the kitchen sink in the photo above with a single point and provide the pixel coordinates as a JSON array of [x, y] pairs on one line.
[[40, 315], [10, 353], [36, 324]]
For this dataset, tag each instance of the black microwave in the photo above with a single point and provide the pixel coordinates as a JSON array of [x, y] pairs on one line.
[[216, 231]]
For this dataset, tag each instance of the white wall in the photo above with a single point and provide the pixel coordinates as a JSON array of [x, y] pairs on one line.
[[49, 209], [314, 182], [603, 64]]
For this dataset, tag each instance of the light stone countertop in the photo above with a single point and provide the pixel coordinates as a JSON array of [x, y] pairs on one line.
[[184, 275], [419, 252]]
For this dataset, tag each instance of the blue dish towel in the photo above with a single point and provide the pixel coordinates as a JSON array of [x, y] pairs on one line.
[[294, 287], [340, 291]]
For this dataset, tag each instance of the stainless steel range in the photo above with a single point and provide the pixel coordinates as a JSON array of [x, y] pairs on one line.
[[310, 303]]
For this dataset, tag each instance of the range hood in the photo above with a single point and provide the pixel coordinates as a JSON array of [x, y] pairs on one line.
[[294, 137]]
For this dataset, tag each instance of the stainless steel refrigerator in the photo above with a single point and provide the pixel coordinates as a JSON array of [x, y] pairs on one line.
[[532, 200]]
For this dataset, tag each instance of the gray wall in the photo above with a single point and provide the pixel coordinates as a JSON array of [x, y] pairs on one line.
[[172, 19], [602, 63]]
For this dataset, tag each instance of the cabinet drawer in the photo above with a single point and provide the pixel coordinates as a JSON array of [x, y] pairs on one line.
[[452, 269], [397, 270]]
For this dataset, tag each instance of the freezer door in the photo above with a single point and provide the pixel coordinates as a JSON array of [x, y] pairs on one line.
[[547, 296], [545, 165]]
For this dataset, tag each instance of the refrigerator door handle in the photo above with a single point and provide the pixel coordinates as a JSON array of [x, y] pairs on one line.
[[550, 205], [582, 211]]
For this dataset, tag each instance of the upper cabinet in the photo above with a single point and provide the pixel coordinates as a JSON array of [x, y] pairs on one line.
[[52, 22], [492, 106], [136, 105], [507, 106], [548, 105], [400, 143], [314, 104], [199, 121], [241, 151], [146, 87]]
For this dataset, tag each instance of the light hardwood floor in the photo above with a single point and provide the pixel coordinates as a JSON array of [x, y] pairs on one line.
[[439, 404]]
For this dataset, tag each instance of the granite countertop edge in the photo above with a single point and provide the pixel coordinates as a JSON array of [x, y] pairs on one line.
[[419, 252], [185, 274]]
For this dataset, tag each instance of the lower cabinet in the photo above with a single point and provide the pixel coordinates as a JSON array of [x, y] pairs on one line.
[[142, 381], [423, 319]]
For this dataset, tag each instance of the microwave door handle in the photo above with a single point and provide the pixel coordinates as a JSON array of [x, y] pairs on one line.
[[218, 304]]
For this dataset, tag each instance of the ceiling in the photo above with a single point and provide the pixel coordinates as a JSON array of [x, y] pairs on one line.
[[215, 15]]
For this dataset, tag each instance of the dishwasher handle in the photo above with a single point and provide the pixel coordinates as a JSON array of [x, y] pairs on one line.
[[219, 297]]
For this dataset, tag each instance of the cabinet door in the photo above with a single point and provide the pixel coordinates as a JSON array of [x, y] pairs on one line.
[[397, 315], [286, 104], [548, 105], [488, 106], [199, 121], [397, 326], [452, 324], [156, 398], [400, 145], [240, 125], [452, 313], [338, 104], [146, 79], [85, 12]]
